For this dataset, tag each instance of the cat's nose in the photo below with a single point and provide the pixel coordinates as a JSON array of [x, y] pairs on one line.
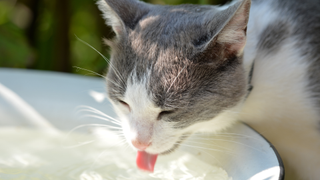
[[140, 145]]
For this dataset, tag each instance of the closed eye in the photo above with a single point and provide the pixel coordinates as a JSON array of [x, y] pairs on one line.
[[124, 104], [164, 113]]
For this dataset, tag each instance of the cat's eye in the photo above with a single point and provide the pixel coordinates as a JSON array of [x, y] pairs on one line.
[[124, 104], [164, 113]]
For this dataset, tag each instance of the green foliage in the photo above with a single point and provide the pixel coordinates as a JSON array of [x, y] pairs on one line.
[[84, 25], [4, 11], [45, 37], [14, 49], [36, 45]]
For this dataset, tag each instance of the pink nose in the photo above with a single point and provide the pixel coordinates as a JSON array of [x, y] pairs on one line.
[[140, 145]]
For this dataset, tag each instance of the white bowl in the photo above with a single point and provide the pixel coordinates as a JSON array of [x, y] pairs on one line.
[[50, 99]]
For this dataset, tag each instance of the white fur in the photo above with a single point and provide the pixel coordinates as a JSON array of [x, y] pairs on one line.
[[261, 15], [279, 106], [143, 118], [221, 122], [143, 114]]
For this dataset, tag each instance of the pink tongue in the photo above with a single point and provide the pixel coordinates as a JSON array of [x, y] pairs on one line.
[[146, 161]]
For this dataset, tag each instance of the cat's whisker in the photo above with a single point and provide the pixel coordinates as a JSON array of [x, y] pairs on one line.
[[90, 125], [231, 135], [203, 151], [242, 144], [224, 140], [88, 108], [120, 142], [118, 133], [196, 143], [99, 115], [95, 73], [203, 143], [123, 143], [115, 129], [106, 59], [235, 135], [97, 159], [176, 78], [127, 146], [80, 144], [204, 148], [114, 83], [105, 125], [90, 141], [102, 118], [218, 137], [174, 106]]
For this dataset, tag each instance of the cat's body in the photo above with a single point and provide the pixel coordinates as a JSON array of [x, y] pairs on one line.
[[177, 70], [284, 104]]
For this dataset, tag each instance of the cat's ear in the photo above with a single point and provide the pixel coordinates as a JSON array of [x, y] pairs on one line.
[[231, 35], [122, 15]]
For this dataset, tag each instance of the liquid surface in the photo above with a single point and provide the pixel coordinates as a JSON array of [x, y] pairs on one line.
[[34, 155]]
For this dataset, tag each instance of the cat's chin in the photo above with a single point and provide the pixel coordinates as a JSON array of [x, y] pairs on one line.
[[176, 144]]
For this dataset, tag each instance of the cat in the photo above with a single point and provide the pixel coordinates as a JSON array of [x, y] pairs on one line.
[[177, 70]]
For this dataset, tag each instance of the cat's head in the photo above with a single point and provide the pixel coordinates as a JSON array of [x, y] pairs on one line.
[[175, 70]]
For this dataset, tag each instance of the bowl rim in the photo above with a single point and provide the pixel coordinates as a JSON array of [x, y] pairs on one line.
[[281, 165]]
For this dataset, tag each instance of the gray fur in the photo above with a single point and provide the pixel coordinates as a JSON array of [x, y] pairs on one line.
[[273, 36], [306, 24], [302, 21], [121, 17], [189, 72]]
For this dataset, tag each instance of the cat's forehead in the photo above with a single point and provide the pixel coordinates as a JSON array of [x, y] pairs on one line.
[[173, 26], [179, 16]]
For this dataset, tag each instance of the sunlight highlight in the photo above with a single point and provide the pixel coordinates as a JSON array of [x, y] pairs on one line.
[[26, 110], [270, 174]]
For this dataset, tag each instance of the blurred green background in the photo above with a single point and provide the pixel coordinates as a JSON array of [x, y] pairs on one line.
[[41, 34]]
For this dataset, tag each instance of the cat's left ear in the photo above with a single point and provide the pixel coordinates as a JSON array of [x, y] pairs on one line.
[[232, 34], [122, 15]]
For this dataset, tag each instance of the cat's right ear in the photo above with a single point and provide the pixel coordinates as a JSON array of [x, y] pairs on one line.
[[122, 15], [229, 36]]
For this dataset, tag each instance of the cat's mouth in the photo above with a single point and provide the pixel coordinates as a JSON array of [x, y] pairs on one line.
[[147, 161]]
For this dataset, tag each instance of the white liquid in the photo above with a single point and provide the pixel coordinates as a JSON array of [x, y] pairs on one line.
[[33, 155]]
